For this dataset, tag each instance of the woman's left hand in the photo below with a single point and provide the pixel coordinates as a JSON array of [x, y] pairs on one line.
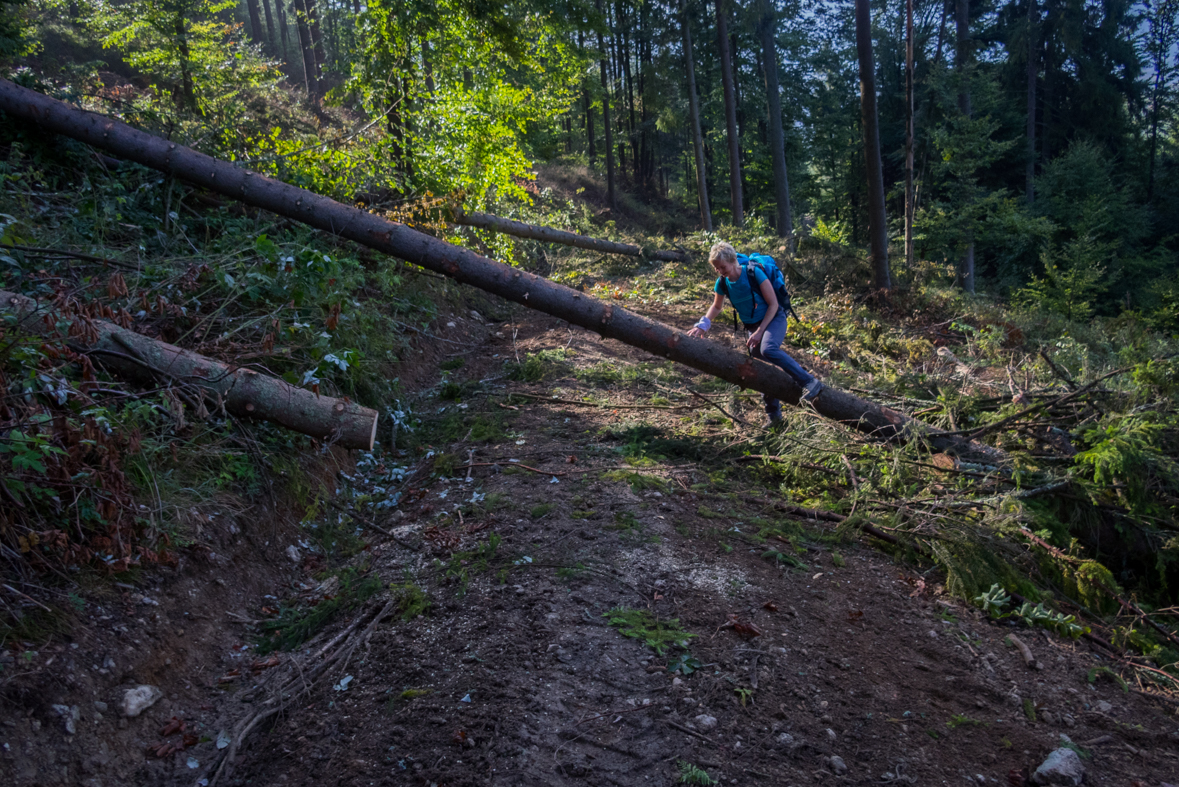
[[754, 338]]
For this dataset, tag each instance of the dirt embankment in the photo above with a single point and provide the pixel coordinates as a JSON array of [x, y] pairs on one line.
[[807, 659]]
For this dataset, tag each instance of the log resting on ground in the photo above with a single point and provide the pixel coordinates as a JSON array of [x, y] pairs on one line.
[[244, 393], [608, 319], [550, 235]]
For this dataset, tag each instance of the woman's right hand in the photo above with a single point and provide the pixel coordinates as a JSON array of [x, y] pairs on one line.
[[696, 332]]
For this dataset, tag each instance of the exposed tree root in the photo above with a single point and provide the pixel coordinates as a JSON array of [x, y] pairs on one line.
[[284, 694]]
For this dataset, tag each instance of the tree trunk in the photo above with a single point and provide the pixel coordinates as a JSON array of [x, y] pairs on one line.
[[255, 21], [777, 142], [694, 112], [284, 34], [317, 52], [463, 265], [910, 134], [1030, 164], [726, 64], [244, 392], [962, 63], [188, 92], [550, 235], [310, 80], [427, 66], [588, 121], [877, 221], [272, 42], [632, 129], [611, 198]]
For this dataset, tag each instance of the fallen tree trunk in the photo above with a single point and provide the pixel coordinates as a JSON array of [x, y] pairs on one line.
[[466, 267], [243, 392], [549, 235]]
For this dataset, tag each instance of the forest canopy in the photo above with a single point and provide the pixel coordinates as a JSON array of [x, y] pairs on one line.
[[1043, 131]]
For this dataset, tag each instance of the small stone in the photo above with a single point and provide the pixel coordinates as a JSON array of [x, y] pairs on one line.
[[293, 554], [676, 682], [139, 699], [1062, 767], [932, 634], [1101, 706], [706, 722], [786, 740], [838, 765], [831, 733], [100, 706], [450, 325], [1047, 717], [70, 716]]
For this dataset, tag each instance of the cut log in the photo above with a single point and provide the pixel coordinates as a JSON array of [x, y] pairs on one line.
[[244, 393], [549, 235], [606, 318]]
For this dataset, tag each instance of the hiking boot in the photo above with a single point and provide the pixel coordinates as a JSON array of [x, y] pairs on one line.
[[812, 389], [775, 419]]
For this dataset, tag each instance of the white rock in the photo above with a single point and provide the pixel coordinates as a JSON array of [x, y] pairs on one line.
[[1101, 706], [70, 716], [831, 733], [139, 699], [706, 722], [1062, 767], [838, 765], [676, 682], [786, 740], [294, 554]]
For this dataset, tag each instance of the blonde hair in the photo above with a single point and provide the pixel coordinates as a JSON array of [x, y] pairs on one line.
[[722, 251]]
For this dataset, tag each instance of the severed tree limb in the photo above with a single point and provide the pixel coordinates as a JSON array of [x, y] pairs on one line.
[[244, 393], [550, 235], [467, 267]]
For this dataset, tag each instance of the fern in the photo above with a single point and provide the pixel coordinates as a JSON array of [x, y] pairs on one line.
[[691, 774]]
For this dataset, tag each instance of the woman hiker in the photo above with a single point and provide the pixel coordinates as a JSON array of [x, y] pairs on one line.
[[757, 305]]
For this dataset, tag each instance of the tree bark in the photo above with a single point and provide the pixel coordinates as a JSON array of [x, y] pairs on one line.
[[877, 221], [726, 64], [244, 392], [624, 54], [310, 78], [611, 197], [464, 266], [317, 52], [1030, 164], [774, 110], [550, 235], [585, 97], [962, 63], [427, 65], [270, 37], [694, 112], [910, 135], [255, 21], [284, 33]]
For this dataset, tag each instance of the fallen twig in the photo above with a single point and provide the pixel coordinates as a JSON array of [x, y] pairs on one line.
[[512, 464], [11, 589], [1023, 649], [726, 413], [682, 728], [606, 406], [73, 254]]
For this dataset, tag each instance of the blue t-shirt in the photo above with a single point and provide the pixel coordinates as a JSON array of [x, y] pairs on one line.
[[751, 310]]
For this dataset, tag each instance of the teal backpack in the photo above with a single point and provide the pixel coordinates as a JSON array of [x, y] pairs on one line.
[[772, 273]]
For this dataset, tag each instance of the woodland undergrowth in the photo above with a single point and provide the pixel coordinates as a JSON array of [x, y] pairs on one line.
[[101, 479]]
